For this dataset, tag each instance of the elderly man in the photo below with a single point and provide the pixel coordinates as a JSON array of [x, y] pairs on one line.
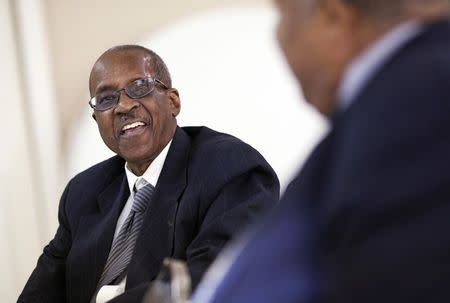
[[170, 191], [367, 218]]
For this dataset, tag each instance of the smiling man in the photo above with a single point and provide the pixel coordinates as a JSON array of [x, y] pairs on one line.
[[169, 192]]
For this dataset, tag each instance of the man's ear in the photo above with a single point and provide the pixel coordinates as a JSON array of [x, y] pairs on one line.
[[174, 98], [338, 13]]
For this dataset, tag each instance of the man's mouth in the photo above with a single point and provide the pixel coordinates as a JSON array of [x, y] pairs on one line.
[[132, 128]]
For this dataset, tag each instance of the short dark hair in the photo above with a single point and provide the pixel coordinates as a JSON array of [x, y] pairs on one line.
[[386, 9], [378, 8], [158, 65]]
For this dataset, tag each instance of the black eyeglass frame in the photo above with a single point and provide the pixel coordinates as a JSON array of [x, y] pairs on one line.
[[150, 79]]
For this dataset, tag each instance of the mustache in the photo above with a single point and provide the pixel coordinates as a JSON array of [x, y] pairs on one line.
[[132, 115]]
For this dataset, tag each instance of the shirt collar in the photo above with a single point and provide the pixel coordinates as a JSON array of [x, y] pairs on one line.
[[152, 173], [363, 67]]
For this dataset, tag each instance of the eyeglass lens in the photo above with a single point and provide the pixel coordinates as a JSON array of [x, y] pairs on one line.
[[135, 90]]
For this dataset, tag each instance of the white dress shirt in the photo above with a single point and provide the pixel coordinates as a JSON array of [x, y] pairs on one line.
[[151, 175]]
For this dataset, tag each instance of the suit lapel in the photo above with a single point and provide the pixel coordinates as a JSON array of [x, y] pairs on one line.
[[94, 238], [157, 235]]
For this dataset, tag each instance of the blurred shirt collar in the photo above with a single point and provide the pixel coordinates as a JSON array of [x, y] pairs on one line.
[[363, 68], [152, 173]]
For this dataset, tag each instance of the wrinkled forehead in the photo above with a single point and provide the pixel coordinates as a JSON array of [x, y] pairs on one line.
[[118, 68]]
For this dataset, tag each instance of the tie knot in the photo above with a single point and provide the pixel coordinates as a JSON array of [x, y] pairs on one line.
[[142, 197]]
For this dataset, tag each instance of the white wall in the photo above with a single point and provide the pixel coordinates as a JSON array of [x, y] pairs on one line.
[[231, 77], [20, 229]]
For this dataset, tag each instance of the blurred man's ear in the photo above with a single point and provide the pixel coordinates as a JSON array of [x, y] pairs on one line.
[[338, 12]]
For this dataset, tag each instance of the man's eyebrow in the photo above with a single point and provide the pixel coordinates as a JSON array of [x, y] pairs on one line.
[[108, 86], [104, 87]]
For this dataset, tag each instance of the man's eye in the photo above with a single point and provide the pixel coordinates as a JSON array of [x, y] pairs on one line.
[[140, 89], [106, 99]]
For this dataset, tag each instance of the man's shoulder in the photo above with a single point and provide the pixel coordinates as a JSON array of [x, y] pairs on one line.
[[397, 94], [215, 154], [207, 143], [434, 41], [202, 136], [101, 172], [85, 187]]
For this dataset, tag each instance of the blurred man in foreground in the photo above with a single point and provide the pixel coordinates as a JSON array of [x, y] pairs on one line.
[[170, 191], [367, 218]]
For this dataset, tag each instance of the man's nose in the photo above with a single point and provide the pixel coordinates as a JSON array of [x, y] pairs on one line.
[[125, 104]]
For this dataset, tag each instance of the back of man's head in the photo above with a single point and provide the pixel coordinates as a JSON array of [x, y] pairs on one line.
[[321, 37]]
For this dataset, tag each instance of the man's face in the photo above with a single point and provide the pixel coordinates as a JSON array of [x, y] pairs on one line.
[[135, 129], [315, 47]]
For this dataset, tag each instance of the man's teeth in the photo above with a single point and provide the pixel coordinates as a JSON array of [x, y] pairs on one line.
[[132, 125]]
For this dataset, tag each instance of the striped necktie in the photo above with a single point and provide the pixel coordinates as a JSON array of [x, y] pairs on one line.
[[123, 245]]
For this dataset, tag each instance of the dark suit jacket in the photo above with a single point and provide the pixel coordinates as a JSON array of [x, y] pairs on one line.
[[211, 185], [368, 217]]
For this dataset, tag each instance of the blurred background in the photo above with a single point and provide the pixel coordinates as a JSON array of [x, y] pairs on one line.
[[223, 58]]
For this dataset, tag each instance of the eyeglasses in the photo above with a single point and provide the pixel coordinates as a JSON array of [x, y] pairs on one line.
[[135, 90]]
